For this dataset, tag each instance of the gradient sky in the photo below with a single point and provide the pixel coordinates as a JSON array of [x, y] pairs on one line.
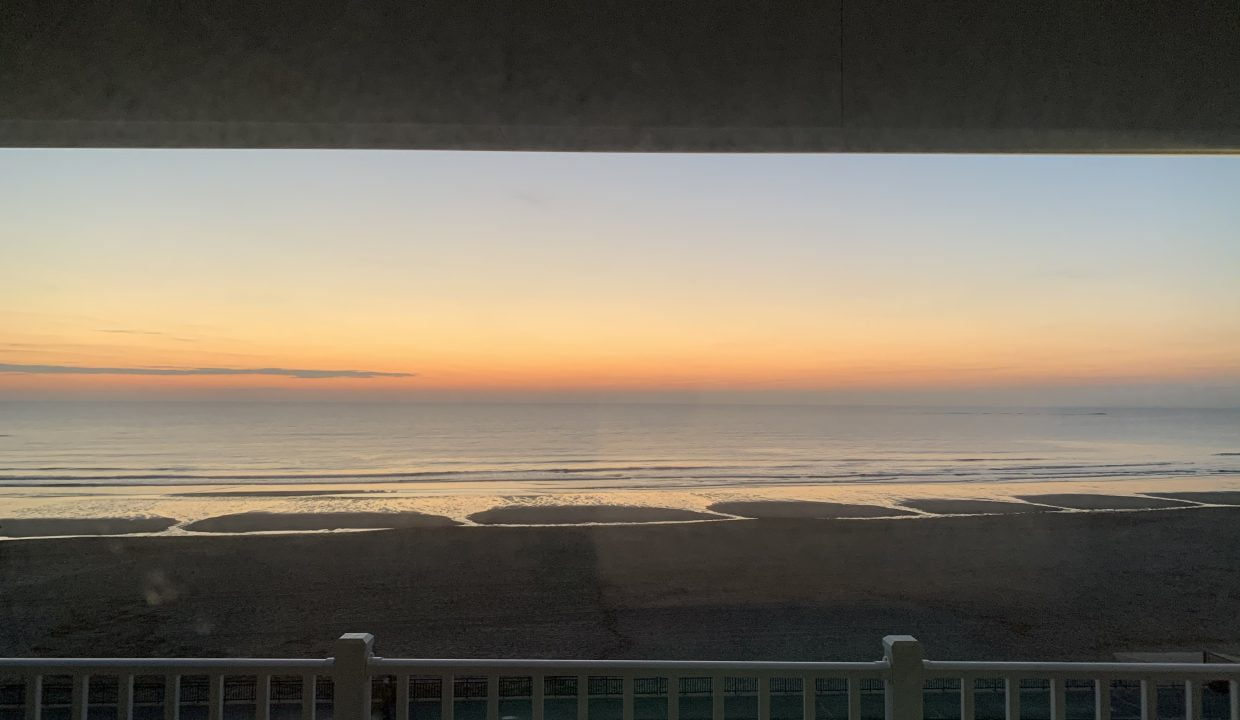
[[438, 275]]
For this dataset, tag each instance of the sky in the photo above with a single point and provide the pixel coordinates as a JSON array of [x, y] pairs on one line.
[[445, 276]]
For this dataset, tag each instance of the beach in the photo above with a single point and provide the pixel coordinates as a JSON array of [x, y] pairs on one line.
[[1032, 586], [617, 531]]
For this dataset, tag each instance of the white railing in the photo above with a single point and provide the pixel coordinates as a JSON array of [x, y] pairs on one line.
[[365, 686], [81, 670]]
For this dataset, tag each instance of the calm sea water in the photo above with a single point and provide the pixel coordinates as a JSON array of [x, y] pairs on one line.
[[641, 446]]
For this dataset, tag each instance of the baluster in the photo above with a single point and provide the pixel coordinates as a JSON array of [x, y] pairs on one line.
[[34, 697], [1192, 700], [172, 698], [308, 682], [967, 688], [1011, 698], [538, 686], [124, 696], [402, 698], [1058, 700], [215, 711], [1149, 700], [854, 698], [626, 712], [262, 697], [583, 697], [764, 698], [447, 698], [1233, 698], [1102, 699], [809, 698], [673, 698], [81, 697], [716, 697]]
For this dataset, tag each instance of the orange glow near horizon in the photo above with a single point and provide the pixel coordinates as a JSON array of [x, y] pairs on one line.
[[605, 273], [811, 364]]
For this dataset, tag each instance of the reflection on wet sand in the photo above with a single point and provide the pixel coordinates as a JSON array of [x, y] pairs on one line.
[[580, 514], [53, 527], [951, 506], [266, 522], [777, 509], [1090, 501], [1220, 497]]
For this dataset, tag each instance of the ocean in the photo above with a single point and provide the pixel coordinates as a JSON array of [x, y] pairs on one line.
[[590, 447]]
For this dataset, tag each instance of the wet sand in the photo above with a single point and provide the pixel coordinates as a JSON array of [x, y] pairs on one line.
[[949, 506], [265, 521], [577, 514], [804, 510], [51, 527], [1219, 497], [1087, 501], [1039, 586]]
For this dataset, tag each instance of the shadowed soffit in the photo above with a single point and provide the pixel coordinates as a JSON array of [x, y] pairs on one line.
[[672, 75]]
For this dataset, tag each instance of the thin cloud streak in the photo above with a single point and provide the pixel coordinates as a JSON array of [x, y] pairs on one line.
[[280, 372], [148, 332]]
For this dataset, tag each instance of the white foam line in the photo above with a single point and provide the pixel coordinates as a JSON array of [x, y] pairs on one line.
[[177, 531]]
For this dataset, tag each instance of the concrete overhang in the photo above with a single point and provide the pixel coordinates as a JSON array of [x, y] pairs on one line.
[[617, 75]]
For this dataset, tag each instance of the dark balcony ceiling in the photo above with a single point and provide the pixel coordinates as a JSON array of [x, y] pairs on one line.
[[602, 75]]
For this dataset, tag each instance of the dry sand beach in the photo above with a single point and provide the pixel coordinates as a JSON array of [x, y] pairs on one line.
[[1044, 585]]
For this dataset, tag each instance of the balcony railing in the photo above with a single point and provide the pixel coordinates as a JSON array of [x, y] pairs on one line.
[[357, 685]]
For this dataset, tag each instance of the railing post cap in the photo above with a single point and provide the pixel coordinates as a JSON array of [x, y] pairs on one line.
[[903, 645], [354, 640]]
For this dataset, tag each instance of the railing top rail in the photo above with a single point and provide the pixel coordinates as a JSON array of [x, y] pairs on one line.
[[158, 666], [953, 668], [414, 665], [431, 666]]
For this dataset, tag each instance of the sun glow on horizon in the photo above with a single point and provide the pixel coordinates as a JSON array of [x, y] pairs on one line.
[[499, 273]]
